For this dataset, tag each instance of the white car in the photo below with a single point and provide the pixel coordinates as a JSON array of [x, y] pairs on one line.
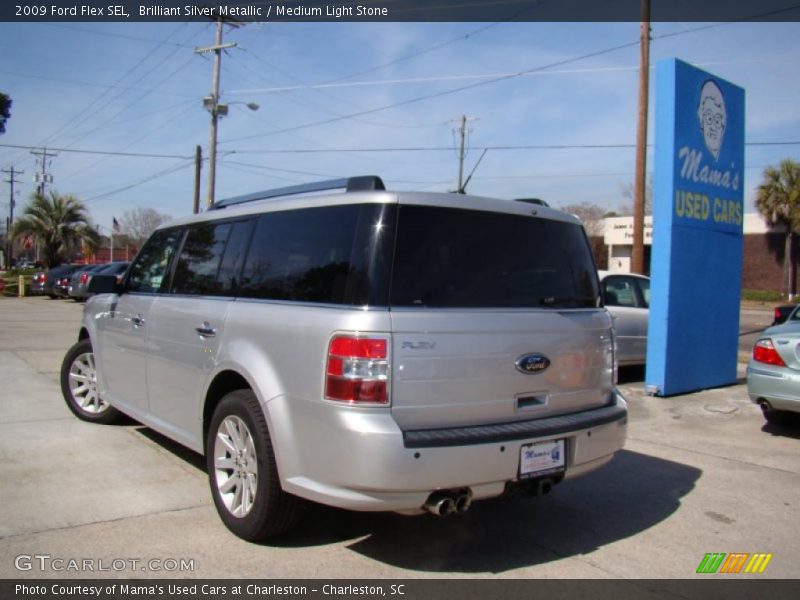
[[627, 297]]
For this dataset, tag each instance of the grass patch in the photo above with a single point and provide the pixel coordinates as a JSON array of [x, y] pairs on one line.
[[763, 296]]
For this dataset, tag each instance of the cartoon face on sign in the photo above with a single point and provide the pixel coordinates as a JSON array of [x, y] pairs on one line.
[[712, 116]]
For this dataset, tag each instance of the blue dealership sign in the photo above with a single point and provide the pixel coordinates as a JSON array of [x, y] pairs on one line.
[[698, 211]]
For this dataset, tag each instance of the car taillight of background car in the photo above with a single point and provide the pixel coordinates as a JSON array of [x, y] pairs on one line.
[[764, 352]]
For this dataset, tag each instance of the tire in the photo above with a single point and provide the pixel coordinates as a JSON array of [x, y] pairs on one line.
[[242, 471], [79, 386]]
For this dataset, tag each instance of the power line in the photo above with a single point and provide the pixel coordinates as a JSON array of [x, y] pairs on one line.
[[79, 119], [120, 35], [91, 84], [107, 152], [497, 79], [168, 171], [368, 149], [153, 130], [325, 109], [435, 95], [438, 46], [438, 78], [484, 147]]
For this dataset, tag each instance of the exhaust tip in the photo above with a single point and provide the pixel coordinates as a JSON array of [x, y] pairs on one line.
[[447, 502], [448, 507], [463, 503]]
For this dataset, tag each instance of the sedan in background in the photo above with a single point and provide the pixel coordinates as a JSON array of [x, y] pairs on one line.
[[56, 280], [117, 269], [781, 313], [773, 373], [37, 283], [79, 282], [627, 298]]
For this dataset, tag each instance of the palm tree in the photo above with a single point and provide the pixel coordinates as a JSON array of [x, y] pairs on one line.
[[58, 223], [778, 200]]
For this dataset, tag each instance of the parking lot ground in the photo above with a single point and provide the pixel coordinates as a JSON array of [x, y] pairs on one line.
[[700, 473]]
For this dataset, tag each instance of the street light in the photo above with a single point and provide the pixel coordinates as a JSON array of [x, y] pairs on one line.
[[217, 110]]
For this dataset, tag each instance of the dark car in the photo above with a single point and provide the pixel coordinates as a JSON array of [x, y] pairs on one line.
[[37, 283], [80, 288], [115, 268], [79, 282], [782, 313], [57, 280]]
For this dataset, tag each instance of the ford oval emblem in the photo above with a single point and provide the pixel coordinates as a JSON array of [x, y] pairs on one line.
[[532, 363]]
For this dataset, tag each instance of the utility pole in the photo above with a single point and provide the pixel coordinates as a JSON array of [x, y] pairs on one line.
[[198, 163], [462, 130], [637, 256], [44, 177], [213, 106], [11, 203]]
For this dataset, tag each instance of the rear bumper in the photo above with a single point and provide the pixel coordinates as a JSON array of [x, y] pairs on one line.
[[779, 386], [361, 460]]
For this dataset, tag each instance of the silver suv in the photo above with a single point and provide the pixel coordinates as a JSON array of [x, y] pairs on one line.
[[364, 349]]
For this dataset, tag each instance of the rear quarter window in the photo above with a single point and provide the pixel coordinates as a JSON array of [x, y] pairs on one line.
[[330, 255]]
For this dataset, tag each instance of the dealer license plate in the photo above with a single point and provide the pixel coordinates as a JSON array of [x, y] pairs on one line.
[[541, 458]]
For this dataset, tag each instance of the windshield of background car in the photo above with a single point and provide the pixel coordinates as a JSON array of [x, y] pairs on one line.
[[449, 258]]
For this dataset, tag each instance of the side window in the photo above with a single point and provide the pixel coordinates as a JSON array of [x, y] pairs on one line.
[[619, 291], [303, 255], [233, 259], [200, 258], [644, 287], [148, 272]]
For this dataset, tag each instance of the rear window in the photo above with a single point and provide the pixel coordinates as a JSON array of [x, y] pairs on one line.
[[448, 258]]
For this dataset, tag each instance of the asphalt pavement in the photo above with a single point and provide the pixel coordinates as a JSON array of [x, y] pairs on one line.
[[700, 473]]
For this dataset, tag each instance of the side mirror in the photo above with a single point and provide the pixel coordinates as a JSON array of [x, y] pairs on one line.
[[105, 284]]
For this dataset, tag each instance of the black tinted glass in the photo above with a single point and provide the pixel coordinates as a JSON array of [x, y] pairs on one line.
[[151, 266], [334, 255], [200, 258], [233, 259], [473, 259]]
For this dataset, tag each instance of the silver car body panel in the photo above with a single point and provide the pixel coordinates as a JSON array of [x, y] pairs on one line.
[[630, 325], [449, 370], [779, 386]]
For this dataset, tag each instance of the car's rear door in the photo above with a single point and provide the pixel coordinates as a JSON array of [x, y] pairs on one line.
[[186, 325]]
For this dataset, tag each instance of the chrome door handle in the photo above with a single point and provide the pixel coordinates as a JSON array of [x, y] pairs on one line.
[[138, 321], [205, 330]]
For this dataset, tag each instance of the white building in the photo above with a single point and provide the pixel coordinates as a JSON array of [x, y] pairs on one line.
[[618, 237]]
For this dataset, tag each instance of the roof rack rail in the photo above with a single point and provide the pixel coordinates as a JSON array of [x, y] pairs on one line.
[[361, 183], [538, 201]]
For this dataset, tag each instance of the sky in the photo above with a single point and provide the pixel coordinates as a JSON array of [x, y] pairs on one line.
[[340, 99]]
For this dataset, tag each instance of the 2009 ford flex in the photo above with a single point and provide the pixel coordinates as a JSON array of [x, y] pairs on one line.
[[365, 349]]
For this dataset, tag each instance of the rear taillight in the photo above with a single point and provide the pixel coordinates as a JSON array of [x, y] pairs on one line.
[[764, 352], [776, 314], [357, 370], [84, 278]]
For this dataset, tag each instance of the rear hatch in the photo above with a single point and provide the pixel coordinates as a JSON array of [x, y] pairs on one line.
[[495, 318]]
